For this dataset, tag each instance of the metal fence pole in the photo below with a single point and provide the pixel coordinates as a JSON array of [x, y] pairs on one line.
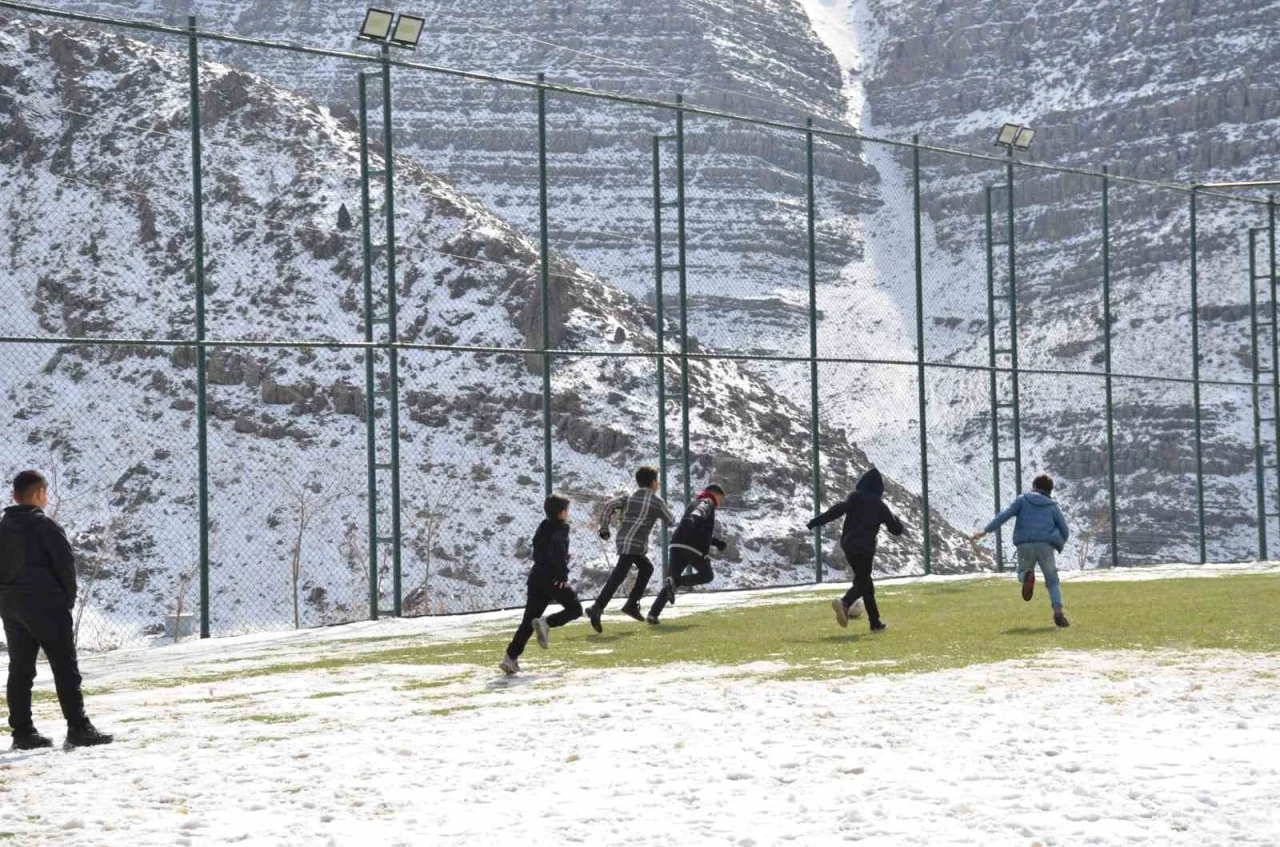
[[660, 329], [544, 280], [1013, 335], [370, 380], [684, 301], [393, 319], [1258, 462], [920, 357], [811, 214], [1106, 336], [202, 408], [991, 372], [1195, 376], [1275, 334]]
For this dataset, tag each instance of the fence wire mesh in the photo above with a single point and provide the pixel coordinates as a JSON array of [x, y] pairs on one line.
[[393, 385]]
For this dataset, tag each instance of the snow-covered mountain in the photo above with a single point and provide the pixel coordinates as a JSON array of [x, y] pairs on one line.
[[94, 169]]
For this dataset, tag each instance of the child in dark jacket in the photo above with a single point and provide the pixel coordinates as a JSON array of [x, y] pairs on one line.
[[548, 582], [690, 547], [1040, 531], [864, 513]]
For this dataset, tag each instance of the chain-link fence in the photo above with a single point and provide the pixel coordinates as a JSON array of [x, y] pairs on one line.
[[308, 382]]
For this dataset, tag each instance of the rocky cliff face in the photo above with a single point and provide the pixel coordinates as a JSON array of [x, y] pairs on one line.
[[97, 220]]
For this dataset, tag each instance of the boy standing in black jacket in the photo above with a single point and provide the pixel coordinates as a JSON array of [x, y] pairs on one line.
[[690, 548], [37, 594], [548, 582], [640, 510], [864, 513]]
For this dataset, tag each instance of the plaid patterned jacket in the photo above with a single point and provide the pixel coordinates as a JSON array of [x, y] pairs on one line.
[[640, 510]]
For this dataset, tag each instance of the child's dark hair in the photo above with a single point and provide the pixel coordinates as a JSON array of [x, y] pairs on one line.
[[1043, 484], [646, 476], [554, 505], [27, 483]]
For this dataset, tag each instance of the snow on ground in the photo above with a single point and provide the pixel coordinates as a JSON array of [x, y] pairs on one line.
[[1064, 749]]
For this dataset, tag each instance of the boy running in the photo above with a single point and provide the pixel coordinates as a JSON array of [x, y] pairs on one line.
[[639, 511], [690, 548], [864, 513], [548, 582], [1039, 532]]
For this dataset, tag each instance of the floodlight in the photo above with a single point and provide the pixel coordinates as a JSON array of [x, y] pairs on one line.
[[1023, 139], [408, 30], [377, 25], [1008, 133]]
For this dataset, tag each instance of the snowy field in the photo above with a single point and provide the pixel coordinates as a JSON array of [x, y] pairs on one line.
[[255, 741]]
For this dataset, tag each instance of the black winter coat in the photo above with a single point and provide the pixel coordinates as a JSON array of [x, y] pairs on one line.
[[35, 556], [550, 552], [864, 513], [697, 528]]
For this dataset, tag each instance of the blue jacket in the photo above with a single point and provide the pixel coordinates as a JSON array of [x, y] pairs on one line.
[[1039, 521]]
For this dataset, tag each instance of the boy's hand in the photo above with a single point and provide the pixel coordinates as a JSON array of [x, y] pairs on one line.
[[978, 536], [719, 544], [561, 585], [604, 534]]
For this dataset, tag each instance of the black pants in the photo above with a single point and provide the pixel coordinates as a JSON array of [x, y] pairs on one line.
[[862, 584], [681, 561], [541, 595], [32, 623], [644, 571]]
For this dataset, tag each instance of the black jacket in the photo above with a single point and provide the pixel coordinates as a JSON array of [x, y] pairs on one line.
[[864, 512], [697, 528], [550, 552], [35, 556]]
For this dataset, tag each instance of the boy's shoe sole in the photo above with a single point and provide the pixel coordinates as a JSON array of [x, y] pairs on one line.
[[1060, 620], [1029, 585], [594, 617], [633, 612], [541, 630], [842, 614]]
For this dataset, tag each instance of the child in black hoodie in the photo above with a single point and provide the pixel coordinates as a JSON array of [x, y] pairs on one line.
[[864, 513], [690, 547], [548, 582]]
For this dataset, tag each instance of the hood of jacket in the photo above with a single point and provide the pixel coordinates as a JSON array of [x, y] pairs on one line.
[[22, 519], [871, 484], [1035, 498]]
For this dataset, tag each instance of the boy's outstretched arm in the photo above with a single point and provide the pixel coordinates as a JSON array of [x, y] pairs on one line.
[[606, 516], [892, 523], [1061, 523], [667, 517], [829, 515], [1000, 519]]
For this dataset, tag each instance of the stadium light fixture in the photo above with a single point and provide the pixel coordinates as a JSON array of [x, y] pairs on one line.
[[377, 25], [1024, 138], [1008, 133], [407, 31], [1015, 137]]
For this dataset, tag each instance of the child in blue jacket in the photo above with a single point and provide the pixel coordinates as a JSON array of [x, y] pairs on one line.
[[1039, 533]]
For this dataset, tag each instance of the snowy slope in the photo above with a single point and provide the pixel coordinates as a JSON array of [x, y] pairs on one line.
[[98, 222]]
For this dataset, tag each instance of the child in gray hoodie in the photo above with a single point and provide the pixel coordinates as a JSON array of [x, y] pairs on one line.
[[1039, 533]]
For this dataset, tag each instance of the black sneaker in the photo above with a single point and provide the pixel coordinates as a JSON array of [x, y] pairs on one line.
[[1061, 620], [593, 615], [652, 620], [87, 736], [633, 612], [671, 590], [30, 740], [879, 627]]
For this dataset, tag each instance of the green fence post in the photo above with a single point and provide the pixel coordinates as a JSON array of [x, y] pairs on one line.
[[1258, 464], [202, 407], [660, 329], [544, 279], [370, 380], [1106, 336], [811, 208], [920, 357], [1013, 336], [393, 319], [991, 371], [1195, 376], [1275, 333], [684, 301]]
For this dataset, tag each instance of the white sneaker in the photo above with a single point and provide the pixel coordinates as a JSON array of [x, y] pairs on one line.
[[509, 666], [542, 630], [842, 614]]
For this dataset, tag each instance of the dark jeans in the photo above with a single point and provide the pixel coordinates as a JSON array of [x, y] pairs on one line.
[[682, 560], [32, 623], [862, 585], [644, 571], [541, 595]]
